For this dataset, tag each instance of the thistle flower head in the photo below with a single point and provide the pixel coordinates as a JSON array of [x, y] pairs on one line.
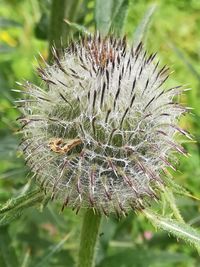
[[102, 130]]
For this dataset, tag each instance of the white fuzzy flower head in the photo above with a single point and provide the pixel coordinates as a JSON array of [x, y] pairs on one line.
[[102, 130]]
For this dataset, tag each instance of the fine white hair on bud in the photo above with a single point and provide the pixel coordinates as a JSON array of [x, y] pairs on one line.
[[102, 131]]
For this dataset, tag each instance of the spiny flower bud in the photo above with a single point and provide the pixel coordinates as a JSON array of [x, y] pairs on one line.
[[103, 130]]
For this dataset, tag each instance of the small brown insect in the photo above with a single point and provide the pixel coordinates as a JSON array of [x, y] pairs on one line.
[[59, 146]]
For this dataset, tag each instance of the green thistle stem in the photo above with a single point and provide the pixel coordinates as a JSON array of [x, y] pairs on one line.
[[89, 236]]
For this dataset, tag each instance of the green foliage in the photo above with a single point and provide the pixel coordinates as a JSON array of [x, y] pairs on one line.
[[179, 230], [50, 238], [142, 28], [8, 253], [140, 257], [14, 207], [110, 15], [7, 23], [78, 27]]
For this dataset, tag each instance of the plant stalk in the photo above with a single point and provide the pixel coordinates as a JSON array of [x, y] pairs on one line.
[[59, 31], [57, 25], [89, 236]]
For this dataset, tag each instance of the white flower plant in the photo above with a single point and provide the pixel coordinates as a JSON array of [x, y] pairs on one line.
[[99, 136]]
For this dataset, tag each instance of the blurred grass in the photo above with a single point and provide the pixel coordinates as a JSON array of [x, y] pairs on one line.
[[174, 31]]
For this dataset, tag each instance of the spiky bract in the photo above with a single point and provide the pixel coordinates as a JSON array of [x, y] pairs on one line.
[[103, 130]]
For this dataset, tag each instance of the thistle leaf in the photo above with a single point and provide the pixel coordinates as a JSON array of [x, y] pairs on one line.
[[176, 188], [143, 26], [110, 13], [169, 196], [77, 27], [103, 14], [119, 15], [14, 207], [178, 229]]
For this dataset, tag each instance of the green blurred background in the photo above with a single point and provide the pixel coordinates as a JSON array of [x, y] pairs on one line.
[[49, 238]]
